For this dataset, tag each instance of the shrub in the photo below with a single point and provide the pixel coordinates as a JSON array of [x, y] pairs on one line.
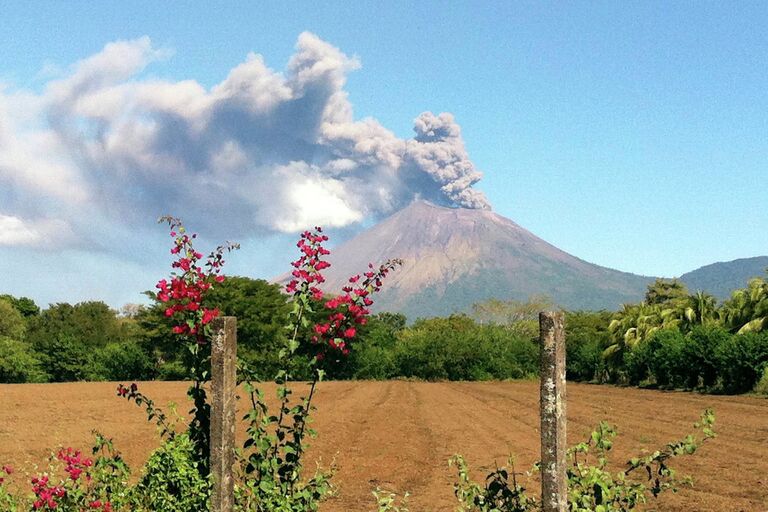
[[74, 483], [741, 361], [591, 487], [374, 362], [658, 360], [172, 370], [124, 361], [586, 337], [584, 361], [667, 360], [172, 480], [388, 501], [699, 357], [457, 348], [761, 388], [373, 357]]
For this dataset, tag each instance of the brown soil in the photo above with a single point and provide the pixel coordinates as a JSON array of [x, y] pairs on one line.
[[399, 435]]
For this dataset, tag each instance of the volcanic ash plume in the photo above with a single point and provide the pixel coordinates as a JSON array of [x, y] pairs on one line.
[[268, 151]]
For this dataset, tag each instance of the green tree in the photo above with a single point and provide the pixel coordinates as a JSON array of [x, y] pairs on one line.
[[12, 324], [66, 359], [91, 323], [586, 336], [663, 291], [521, 317], [24, 305], [634, 324], [261, 308], [19, 363], [67, 338], [742, 360]]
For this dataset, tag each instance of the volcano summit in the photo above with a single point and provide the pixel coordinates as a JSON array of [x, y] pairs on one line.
[[455, 257]]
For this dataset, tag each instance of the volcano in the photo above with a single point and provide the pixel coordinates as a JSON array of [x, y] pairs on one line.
[[455, 257]]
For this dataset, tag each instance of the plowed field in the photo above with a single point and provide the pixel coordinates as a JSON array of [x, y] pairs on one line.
[[399, 435]]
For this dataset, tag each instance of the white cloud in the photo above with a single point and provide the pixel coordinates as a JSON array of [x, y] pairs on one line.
[[261, 151], [15, 231]]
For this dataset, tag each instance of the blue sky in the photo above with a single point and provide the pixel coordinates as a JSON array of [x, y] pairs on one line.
[[632, 134]]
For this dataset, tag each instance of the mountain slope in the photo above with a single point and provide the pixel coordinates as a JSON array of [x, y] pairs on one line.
[[454, 257], [720, 279]]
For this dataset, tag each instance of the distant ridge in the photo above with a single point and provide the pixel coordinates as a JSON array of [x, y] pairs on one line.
[[454, 257], [721, 278]]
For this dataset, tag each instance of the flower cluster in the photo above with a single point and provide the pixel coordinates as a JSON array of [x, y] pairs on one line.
[[8, 470], [126, 391], [346, 311], [351, 308], [307, 273], [76, 464], [190, 282], [104, 506], [45, 494]]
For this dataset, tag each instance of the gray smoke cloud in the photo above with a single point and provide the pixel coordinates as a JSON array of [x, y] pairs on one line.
[[262, 151]]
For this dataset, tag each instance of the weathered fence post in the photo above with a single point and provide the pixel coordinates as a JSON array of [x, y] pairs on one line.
[[223, 388], [554, 482]]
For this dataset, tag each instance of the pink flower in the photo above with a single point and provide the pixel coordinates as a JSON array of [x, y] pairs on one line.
[[209, 315]]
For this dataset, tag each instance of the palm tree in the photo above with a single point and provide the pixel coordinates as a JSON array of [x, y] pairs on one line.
[[700, 309], [747, 309], [634, 324]]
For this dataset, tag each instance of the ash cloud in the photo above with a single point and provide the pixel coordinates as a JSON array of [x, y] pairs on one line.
[[262, 151]]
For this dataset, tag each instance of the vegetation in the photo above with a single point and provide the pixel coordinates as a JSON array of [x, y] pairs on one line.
[[591, 485], [673, 339], [678, 340]]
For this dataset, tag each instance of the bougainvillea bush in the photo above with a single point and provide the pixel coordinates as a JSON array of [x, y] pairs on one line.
[[272, 456], [271, 462]]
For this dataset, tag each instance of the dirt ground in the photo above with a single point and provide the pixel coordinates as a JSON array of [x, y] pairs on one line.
[[399, 435]]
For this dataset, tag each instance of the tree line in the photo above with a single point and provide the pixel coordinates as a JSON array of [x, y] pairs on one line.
[[672, 339], [677, 340]]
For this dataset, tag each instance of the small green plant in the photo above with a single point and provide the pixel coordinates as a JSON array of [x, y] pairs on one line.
[[171, 479], [498, 494], [591, 486], [387, 501], [110, 474], [7, 500]]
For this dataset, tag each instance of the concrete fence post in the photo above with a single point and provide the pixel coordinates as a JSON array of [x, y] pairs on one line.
[[223, 405], [554, 482]]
